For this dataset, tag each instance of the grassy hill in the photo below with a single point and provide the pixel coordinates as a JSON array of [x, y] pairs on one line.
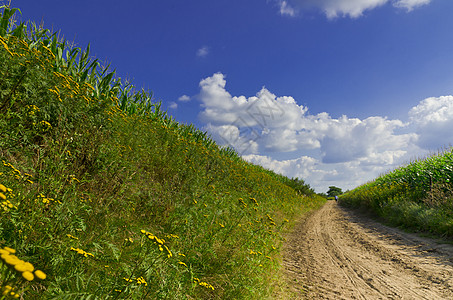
[[111, 198], [418, 196]]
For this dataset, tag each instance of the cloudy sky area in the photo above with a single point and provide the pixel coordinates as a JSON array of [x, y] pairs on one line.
[[332, 91]]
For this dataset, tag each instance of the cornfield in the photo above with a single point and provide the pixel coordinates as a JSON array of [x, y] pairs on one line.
[[418, 195]]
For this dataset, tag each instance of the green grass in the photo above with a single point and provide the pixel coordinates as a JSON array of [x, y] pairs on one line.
[[418, 196], [113, 199]]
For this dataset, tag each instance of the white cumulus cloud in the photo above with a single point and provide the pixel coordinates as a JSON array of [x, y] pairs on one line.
[[286, 9], [352, 8], [278, 133], [353, 139], [410, 4], [433, 118], [301, 167], [279, 124], [184, 98], [203, 51]]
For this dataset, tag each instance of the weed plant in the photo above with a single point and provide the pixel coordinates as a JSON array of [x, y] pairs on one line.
[[114, 199], [418, 195]]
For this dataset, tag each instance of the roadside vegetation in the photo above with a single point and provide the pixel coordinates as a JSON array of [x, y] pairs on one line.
[[418, 196], [103, 195]]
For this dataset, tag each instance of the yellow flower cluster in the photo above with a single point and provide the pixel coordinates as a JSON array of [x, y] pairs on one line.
[[15, 171], [82, 252], [254, 201], [2, 190], [32, 109], [17, 174], [83, 199], [25, 268], [159, 242], [3, 42], [272, 222], [45, 200], [182, 263], [8, 290], [72, 178], [171, 235], [139, 280], [45, 125], [72, 237], [202, 283], [5, 204], [56, 91], [255, 253]]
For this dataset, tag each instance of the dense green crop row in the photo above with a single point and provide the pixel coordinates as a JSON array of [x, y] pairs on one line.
[[418, 195]]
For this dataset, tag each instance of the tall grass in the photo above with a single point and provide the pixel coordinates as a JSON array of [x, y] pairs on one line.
[[418, 195], [113, 199]]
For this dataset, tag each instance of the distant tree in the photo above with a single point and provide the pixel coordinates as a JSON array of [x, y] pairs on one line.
[[323, 195], [334, 191], [300, 186]]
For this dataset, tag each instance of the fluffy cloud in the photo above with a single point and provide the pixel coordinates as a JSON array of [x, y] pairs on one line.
[[351, 8], [203, 51], [231, 136], [320, 176], [263, 118], [433, 119], [279, 124], [184, 98], [324, 151], [354, 139], [410, 4], [286, 9], [301, 167]]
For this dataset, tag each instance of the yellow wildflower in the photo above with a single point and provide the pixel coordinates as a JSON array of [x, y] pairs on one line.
[[40, 274], [182, 263], [71, 236], [24, 266], [142, 280], [28, 275], [10, 250], [11, 259]]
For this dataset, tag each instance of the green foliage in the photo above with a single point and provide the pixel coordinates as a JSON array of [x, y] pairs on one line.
[[113, 199], [334, 191], [418, 195], [298, 185]]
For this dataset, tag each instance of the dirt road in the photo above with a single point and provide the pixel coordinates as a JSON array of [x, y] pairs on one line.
[[340, 254]]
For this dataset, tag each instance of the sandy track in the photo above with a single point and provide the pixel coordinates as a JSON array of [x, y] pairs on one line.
[[339, 254]]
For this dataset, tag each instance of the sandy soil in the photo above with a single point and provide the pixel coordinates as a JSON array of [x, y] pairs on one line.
[[340, 254]]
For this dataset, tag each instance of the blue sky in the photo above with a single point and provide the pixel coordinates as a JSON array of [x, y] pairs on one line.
[[332, 91]]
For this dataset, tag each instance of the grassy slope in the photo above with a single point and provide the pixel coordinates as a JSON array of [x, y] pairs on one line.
[[417, 196], [112, 198]]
